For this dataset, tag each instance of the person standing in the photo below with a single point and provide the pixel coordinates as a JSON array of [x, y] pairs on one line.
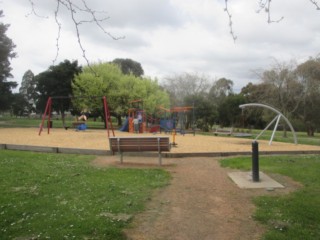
[[136, 125], [140, 121]]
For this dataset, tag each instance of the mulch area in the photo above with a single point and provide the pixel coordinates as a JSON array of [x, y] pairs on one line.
[[98, 139]]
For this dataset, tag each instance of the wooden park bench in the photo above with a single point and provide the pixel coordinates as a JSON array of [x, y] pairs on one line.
[[140, 144], [223, 131]]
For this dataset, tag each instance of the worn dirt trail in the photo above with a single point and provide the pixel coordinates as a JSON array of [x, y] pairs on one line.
[[200, 203]]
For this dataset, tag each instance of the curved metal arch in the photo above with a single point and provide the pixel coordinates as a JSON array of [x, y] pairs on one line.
[[276, 118]]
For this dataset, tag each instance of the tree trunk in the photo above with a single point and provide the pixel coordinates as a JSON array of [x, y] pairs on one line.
[[63, 119], [285, 135], [119, 120], [310, 132], [310, 129]]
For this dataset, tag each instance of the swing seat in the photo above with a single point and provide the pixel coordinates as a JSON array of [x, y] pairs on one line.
[[82, 127]]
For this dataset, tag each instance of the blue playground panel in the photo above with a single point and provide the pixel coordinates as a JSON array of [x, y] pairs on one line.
[[166, 124]]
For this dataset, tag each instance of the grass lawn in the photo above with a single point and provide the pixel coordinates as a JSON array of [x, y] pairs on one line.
[[293, 216], [56, 196]]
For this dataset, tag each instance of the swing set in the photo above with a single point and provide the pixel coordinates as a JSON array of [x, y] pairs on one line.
[[48, 109]]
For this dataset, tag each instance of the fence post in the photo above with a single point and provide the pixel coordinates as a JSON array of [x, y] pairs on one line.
[[255, 161]]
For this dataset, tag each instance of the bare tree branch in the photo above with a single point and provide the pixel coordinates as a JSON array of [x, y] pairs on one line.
[[73, 10], [226, 9], [59, 31], [33, 11], [316, 4], [266, 6]]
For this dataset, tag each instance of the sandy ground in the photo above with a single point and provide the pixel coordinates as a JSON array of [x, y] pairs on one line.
[[98, 139]]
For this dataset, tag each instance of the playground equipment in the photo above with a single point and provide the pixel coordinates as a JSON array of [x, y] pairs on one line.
[[276, 119], [47, 112], [136, 110], [177, 118]]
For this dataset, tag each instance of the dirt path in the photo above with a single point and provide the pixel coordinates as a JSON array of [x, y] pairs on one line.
[[200, 203]]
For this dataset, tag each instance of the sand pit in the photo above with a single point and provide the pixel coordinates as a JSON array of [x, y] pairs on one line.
[[98, 139]]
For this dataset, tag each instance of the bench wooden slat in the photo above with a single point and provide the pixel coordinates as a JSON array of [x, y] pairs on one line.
[[139, 144]]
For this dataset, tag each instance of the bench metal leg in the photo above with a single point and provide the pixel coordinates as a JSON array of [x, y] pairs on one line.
[[160, 159], [119, 151], [159, 151]]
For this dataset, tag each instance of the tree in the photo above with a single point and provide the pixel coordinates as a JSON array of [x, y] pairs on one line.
[[254, 93], [106, 79], [19, 105], [184, 85], [6, 54], [309, 76], [220, 90], [203, 113], [56, 81], [284, 90], [28, 89], [129, 66], [229, 111]]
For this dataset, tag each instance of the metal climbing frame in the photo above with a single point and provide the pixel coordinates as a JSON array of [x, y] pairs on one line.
[[276, 119]]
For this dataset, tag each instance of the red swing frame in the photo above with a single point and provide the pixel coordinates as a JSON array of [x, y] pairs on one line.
[[48, 109]]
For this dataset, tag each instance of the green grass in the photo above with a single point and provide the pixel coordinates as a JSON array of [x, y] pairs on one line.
[[292, 216], [56, 196]]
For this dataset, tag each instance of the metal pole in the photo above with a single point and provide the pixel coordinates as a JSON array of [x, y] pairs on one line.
[[255, 161], [275, 129], [193, 120]]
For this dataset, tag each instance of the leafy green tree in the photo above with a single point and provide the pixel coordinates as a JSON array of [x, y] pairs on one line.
[[56, 81], [254, 93], [203, 113], [119, 89], [129, 66], [28, 90], [229, 111], [19, 105], [99, 80], [6, 54]]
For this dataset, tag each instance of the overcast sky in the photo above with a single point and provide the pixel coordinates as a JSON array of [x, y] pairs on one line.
[[168, 37]]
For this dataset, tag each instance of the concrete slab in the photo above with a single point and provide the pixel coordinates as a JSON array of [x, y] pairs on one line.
[[244, 180]]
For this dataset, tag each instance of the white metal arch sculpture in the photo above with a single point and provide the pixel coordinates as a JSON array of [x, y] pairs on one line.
[[277, 119]]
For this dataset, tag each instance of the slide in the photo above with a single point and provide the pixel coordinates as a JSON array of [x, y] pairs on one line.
[[125, 126]]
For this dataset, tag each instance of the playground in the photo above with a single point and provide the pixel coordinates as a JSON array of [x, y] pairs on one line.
[[187, 144]]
